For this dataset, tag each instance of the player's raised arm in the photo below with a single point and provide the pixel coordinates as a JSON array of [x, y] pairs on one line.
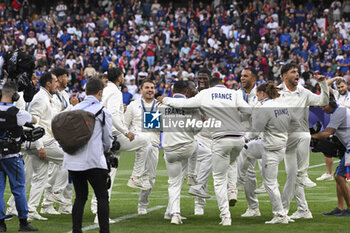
[[323, 98]]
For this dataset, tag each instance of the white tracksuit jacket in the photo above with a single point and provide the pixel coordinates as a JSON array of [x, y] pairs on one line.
[[220, 104]]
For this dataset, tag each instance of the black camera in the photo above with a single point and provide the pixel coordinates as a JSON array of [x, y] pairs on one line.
[[33, 134], [115, 144], [19, 67], [110, 159], [330, 147]]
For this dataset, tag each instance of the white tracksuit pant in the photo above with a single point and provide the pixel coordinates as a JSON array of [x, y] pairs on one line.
[[232, 175], [41, 172], [183, 177], [203, 169], [270, 162], [28, 170], [303, 154], [141, 145], [58, 175], [150, 173], [297, 143], [175, 162], [225, 151], [247, 161]]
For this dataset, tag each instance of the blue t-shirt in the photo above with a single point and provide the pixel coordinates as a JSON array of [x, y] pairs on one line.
[[127, 98]]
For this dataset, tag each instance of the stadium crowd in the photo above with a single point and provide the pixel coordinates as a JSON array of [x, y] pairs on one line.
[[167, 43]]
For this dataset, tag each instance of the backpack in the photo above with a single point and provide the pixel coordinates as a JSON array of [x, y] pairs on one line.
[[73, 129]]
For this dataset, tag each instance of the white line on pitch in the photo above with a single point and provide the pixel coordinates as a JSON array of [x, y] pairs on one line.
[[322, 164], [96, 226]]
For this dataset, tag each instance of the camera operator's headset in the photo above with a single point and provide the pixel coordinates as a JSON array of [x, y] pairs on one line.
[[333, 102], [15, 96]]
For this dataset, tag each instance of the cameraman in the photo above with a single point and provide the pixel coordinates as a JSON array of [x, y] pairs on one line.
[[339, 123], [89, 164], [11, 163]]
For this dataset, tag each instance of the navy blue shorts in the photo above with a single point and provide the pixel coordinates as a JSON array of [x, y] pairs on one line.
[[341, 169]]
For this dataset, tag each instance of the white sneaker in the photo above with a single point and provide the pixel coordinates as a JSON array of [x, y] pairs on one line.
[[225, 221], [289, 219], [10, 212], [301, 214], [325, 176], [198, 210], [306, 182], [191, 180], [251, 213], [278, 219], [167, 216], [260, 190], [57, 198], [49, 210], [176, 219], [111, 221], [33, 215], [232, 197], [198, 192], [136, 183], [65, 209], [142, 211]]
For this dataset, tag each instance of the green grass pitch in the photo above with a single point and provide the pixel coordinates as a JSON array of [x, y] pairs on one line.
[[123, 207]]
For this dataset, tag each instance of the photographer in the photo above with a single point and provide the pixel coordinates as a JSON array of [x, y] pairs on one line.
[[339, 124], [342, 98], [11, 163], [89, 164]]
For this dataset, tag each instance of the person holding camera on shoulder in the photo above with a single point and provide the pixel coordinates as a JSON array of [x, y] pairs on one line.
[[88, 164], [11, 163], [342, 98], [339, 123]]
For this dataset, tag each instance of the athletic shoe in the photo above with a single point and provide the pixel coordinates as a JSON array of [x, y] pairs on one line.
[[111, 221], [306, 182], [260, 190], [289, 219], [325, 176], [3, 228], [198, 210], [225, 221], [136, 183], [278, 219], [333, 212], [191, 180], [167, 216], [24, 226], [33, 215], [198, 192], [8, 217], [49, 210], [65, 209], [251, 213], [57, 198], [142, 211], [344, 213], [176, 219], [301, 214], [11, 211]]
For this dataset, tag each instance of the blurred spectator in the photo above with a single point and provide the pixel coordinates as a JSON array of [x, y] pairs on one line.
[[127, 96]]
